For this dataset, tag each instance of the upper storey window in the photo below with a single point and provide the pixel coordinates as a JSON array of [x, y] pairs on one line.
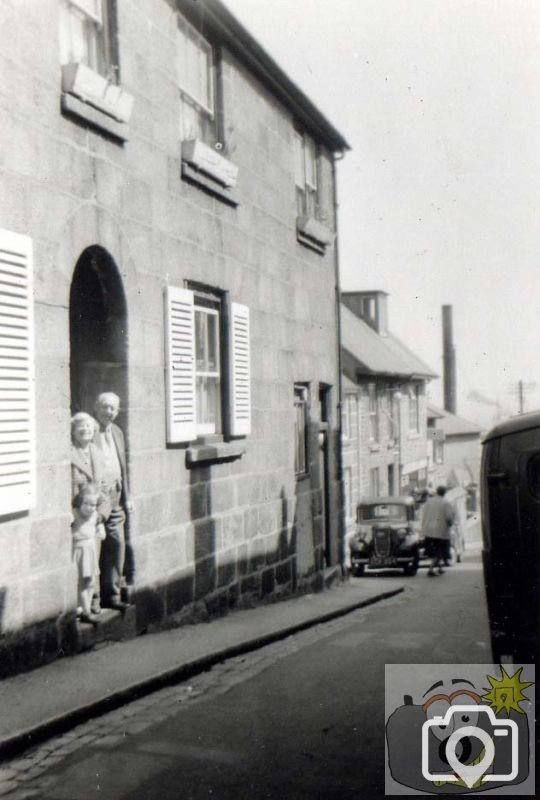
[[86, 36], [305, 174], [89, 59], [310, 230], [196, 81], [203, 162]]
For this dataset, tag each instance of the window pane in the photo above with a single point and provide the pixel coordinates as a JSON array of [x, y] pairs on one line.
[[207, 371], [200, 341], [205, 77], [299, 175], [208, 404], [191, 120], [300, 202], [194, 65], [92, 8], [311, 162], [310, 202], [65, 35], [83, 39], [213, 343]]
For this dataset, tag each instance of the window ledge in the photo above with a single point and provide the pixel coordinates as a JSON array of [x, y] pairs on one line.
[[413, 435], [313, 234], [219, 451], [209, 160], [98, 119], [94, 89], [374, 447], [198, 178]]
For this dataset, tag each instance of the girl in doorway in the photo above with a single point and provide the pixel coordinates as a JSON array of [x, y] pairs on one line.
[[86, 529]]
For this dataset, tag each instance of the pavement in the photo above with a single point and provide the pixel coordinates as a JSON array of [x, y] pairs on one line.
[[55, 698]]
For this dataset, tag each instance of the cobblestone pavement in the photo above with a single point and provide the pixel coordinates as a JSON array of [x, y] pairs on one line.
[[25, 777]]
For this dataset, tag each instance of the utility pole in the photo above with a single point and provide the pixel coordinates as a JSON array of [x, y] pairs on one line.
[[520, 390]]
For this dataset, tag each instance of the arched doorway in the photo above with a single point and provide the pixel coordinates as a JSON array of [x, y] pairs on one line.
[[98, 331]]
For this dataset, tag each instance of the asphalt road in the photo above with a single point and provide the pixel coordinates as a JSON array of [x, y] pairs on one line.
[[303, 718]]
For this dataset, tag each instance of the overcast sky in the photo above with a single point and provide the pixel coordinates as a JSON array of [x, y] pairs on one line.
[[439, 100]]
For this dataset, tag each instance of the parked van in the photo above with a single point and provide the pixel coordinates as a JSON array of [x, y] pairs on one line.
[[510, 482]]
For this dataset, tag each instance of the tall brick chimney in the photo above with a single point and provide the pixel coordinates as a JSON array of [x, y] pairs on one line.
[[449, 361]]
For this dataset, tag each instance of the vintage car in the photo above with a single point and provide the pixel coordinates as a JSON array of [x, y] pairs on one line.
[[386, 535]]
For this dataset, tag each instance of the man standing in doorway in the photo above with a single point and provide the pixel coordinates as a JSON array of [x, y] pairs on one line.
[[437, 519], [110, 441]]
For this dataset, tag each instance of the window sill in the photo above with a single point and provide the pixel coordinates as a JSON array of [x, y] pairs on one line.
[[214, 452], [198, 178], [374, 447], [413, 435], [72, 106], [210, 161], [313, 234]]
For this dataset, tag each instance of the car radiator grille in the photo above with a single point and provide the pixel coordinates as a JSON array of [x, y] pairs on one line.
[[382, 541]]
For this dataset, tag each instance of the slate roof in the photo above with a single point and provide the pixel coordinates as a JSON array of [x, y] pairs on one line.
[[451, 424], [374, 354]]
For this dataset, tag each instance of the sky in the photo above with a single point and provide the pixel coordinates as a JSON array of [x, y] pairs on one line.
[[438, 197]]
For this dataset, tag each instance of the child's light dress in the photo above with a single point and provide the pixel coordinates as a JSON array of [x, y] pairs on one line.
[[85, 532]]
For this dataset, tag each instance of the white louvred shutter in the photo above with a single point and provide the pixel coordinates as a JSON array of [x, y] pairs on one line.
[[240, 396], [180, 365], [17, 425]]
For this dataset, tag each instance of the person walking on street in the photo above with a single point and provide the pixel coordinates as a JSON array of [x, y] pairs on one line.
[[437, 520], [111, 443]]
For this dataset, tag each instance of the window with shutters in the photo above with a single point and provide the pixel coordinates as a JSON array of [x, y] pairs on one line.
[[17, 436], [208, 367]]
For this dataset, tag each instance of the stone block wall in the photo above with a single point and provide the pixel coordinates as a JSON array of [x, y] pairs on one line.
[[209, 533]]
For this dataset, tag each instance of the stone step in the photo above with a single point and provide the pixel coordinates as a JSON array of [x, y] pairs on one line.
[[113, 626]]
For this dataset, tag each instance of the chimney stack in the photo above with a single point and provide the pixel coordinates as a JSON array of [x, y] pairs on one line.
[[449, 361]]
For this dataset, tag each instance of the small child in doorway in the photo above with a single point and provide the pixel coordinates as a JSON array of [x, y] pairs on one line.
[[86, 529]]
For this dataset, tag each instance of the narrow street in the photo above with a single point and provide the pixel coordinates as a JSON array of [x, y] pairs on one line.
[[302, 718]]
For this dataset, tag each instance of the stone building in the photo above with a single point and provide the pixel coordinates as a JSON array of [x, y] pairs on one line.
[[454, 452], [168, 233], [384, 421]]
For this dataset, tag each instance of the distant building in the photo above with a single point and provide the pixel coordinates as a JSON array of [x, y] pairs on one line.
[[384, 422], [454, 451]]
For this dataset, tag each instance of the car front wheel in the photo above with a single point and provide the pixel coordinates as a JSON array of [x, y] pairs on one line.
[[411, 569], [358, 570]]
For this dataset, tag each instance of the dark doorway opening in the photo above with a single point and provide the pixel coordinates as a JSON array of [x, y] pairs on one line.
[[324, 468], [391, 480], [98, 332]]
